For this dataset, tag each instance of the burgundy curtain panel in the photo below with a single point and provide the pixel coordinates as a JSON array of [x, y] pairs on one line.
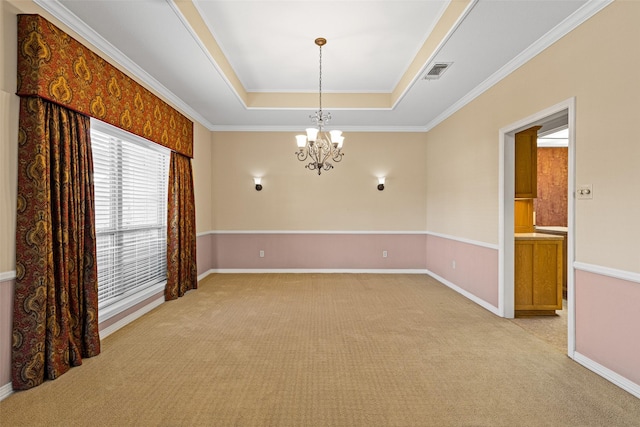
[[61, 84], [182, 273], [55, 319]]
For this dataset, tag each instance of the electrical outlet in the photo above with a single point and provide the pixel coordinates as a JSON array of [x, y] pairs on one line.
[[453, 264], [384, 254], [261, 254]]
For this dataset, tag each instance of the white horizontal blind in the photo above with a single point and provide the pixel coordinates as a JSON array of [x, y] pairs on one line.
[[130, 182]]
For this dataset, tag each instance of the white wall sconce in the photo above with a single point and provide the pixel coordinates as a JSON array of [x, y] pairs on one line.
[[381, 181], [258, 182]]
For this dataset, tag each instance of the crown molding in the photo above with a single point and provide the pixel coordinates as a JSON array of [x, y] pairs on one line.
[[569, 24], [300, 128], [55, 8], [207, 53]]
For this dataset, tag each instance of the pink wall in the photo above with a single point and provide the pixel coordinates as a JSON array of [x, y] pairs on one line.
[[6, 319], [476, 267], [204, 253], [608, 322], [319, 251]]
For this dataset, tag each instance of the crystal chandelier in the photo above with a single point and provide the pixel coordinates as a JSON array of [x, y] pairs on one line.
[[318, 146]]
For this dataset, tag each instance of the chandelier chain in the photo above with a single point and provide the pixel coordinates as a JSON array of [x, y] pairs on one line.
[[320, 82]]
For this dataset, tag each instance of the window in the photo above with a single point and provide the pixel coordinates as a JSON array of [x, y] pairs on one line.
[[131, 180]]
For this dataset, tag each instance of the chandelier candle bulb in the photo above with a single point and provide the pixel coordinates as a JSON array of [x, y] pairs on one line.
[[301, 140], [312, 134]]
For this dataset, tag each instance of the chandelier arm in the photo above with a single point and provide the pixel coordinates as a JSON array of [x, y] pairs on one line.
[[318, 153], [313, 152], [302, 154], [326, 149]]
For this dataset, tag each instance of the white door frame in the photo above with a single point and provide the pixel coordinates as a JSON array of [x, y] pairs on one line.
[[506, 182]]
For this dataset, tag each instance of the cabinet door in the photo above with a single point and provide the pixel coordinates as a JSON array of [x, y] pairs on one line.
[[547, 260], [538, 275], [526, 173], [523, 275]]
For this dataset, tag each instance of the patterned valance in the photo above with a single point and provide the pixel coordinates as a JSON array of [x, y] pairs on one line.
[[56, 67]]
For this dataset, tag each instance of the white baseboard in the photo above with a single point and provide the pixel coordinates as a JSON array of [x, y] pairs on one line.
[[328, 232], [130, 318], [482, 303], [608, 374], [205, 274], [311, 270], [5, 391]]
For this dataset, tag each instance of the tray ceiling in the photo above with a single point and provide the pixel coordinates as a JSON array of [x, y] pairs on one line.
[[253, 65]]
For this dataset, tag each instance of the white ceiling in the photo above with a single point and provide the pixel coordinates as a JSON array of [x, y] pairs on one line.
[[269, 46]]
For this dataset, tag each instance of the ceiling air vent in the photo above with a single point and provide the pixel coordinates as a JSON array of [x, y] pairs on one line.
[[437, 70]]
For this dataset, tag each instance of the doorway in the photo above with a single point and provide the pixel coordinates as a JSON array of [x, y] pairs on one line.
[[562, 111]]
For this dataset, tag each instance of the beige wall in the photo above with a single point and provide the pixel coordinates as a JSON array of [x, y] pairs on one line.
[[201, 165], [462, 176], [462, 153], [8, 162], [8, 138], [294, 198]]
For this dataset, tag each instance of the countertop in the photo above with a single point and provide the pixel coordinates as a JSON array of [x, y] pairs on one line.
[[537, 236], [550, 228]]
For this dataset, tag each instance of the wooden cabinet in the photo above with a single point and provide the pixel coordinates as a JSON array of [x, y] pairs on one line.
[[538, 274], [526, 172], [523, 216], [559, 231]]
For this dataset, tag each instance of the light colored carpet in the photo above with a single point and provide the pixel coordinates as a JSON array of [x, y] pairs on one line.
[[552, 329], [324, 350]]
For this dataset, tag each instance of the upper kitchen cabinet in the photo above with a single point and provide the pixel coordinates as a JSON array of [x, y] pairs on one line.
[[526, 163]]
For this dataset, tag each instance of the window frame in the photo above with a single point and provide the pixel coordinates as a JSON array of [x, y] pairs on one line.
[[131, 298]]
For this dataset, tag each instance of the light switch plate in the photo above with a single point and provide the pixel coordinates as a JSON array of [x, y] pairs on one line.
[[584, 191]]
